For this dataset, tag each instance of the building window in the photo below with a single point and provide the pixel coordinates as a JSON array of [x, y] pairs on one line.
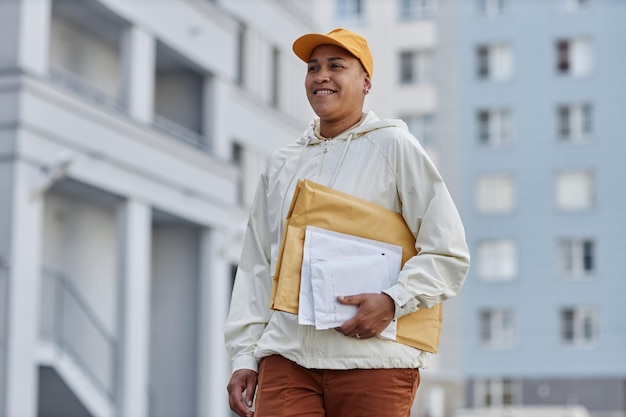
[[416, 67], [492, 8], [574, 122], [574, 5], [574, 190], [577, 257], [495, 194], [353, 10], [416, 9], [494, 127], [573, 57], [497, 260], [579, 326], [494, 62], [497, 328], [422, 126], [495, 393], [251, 163]]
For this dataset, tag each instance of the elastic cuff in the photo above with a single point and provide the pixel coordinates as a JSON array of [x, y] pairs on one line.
[[404, 305], [245, 362]]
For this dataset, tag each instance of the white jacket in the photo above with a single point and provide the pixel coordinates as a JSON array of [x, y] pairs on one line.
[[380, 161]]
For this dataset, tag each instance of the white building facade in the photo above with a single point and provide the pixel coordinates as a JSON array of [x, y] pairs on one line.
[[132, 134]]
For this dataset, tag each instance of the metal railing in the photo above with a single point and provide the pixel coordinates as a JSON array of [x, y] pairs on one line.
[[182, 133], [86, 90], [90, 92], [71, 323]]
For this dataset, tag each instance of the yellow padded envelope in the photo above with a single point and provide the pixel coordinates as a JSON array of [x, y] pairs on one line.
[[316, 205]]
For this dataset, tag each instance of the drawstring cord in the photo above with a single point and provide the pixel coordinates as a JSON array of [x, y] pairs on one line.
[[295, 171], [343, 156]]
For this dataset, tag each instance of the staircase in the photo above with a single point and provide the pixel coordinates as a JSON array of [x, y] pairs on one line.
[[76, 346]]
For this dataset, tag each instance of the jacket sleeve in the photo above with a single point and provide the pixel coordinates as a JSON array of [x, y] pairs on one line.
[[439, 269], [249, 306]]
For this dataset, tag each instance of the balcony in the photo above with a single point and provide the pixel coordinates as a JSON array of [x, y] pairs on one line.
[[88, 58], [180, 95], [85, 52], [87, 91]]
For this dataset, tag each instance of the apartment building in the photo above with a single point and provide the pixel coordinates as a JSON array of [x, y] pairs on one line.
[[132, 134], [534, 93], [517, 102]]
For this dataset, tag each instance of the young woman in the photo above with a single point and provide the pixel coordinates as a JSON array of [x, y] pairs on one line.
[[348, 371]]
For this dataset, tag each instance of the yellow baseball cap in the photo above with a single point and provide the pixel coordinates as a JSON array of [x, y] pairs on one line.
[[348, 40]]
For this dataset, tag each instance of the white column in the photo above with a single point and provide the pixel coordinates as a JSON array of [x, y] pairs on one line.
[[138, 58], [215, 287], [20, 244], [135, 236], [25, 30]]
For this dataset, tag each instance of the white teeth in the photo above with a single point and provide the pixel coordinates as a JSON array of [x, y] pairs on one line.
[[324, 92]]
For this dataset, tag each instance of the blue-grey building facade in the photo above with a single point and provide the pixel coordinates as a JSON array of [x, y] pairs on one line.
[[532, 103]]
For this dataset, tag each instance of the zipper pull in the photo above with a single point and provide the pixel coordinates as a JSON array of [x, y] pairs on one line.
[[325, 145]]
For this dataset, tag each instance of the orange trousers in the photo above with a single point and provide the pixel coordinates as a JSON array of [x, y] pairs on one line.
[[286, 389]]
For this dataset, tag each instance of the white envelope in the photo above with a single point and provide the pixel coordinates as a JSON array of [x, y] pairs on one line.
[[339, 264]]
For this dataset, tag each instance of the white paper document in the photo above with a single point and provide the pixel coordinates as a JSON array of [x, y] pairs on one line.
[[337, 264]]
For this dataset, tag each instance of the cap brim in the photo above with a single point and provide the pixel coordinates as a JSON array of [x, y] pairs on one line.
[[303, 46]]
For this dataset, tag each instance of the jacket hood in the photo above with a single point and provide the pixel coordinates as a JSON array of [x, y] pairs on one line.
[[372, 122]]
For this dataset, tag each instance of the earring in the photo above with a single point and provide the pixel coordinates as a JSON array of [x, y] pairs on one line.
[[366, 91]]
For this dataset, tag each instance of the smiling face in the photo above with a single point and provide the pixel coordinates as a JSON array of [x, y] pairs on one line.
[[335, 85]]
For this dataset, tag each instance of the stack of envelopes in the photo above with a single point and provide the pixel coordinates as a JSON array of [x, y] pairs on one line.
[[323, 207]]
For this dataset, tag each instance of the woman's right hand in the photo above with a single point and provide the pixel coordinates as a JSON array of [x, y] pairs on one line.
[[242, 380]]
